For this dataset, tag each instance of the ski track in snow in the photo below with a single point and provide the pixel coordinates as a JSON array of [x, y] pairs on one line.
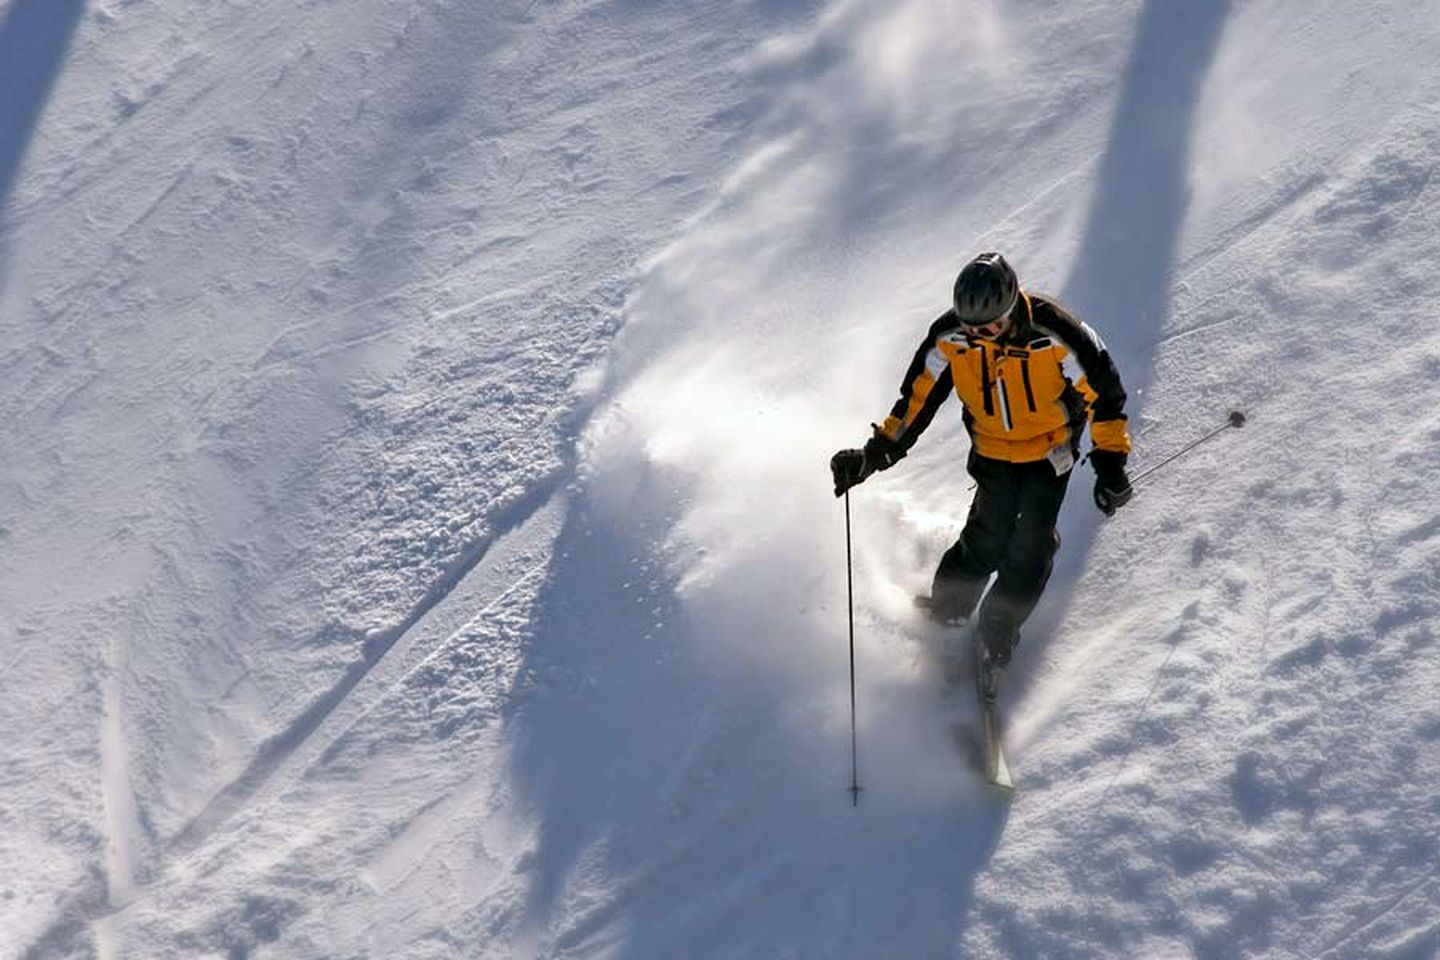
[[339, 708], [119, 801], [1337, 947], [393, 656]]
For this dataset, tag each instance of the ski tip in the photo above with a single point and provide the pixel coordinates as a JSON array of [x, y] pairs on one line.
[[1001, 777]]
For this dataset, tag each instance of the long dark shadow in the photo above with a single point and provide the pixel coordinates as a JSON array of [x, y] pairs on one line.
[[637, 748], [33, 42], [1121, 281]]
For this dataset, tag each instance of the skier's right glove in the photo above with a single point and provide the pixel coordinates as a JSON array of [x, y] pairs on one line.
[[847, 468], [850, 467], [1112, 486]]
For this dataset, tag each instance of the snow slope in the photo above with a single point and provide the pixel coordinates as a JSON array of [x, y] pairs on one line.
[[294, 305], [417, 536]]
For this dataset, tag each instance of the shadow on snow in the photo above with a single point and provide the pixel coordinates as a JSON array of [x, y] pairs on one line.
[[691, 806], [1121, 282], [33, 41]]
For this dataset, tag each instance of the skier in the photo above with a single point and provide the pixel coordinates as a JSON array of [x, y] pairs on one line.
[[1028, 373]]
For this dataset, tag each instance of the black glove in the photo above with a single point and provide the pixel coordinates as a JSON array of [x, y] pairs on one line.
[[1112, 487], [847, 468], [850, 467]]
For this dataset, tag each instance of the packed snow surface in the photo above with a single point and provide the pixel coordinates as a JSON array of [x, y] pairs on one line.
[[415, 531]]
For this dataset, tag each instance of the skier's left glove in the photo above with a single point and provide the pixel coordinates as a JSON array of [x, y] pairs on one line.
[[1112, 486], [850, 467]]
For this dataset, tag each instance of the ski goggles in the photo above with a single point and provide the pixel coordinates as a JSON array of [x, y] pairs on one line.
[[991, 328]]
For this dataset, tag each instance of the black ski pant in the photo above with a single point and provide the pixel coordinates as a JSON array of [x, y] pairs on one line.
[[1010, 532]]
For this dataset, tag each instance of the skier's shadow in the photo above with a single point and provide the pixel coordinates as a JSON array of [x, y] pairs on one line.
[[681, 808], [1122, 279]]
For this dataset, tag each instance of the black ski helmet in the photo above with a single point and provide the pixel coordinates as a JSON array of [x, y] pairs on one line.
[[985, 290]]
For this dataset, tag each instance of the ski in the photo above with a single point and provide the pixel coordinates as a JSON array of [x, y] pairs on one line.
[[989, 752], [997, 765]]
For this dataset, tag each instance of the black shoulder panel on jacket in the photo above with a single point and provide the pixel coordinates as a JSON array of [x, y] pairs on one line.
[[1089, 351], [943, 325]]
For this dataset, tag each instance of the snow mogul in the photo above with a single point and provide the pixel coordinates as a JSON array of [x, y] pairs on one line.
[[1029, 375]]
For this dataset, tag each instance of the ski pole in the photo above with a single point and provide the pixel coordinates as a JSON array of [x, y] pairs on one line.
[[850, 605], [1236, 419]]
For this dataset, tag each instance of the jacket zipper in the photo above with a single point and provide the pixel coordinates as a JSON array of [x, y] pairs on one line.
[[1029, 391], [985, 381]]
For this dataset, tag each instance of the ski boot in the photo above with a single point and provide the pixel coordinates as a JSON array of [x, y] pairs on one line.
[[952, 600], [988, 672], [995, 638]]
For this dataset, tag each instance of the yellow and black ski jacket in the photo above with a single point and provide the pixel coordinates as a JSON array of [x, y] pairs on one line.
[[1026, 396]]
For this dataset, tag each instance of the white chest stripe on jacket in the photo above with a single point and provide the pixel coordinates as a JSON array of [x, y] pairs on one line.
[[1004, 405]]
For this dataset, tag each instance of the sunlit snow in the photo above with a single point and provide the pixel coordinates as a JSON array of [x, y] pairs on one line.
[[416, 537]]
